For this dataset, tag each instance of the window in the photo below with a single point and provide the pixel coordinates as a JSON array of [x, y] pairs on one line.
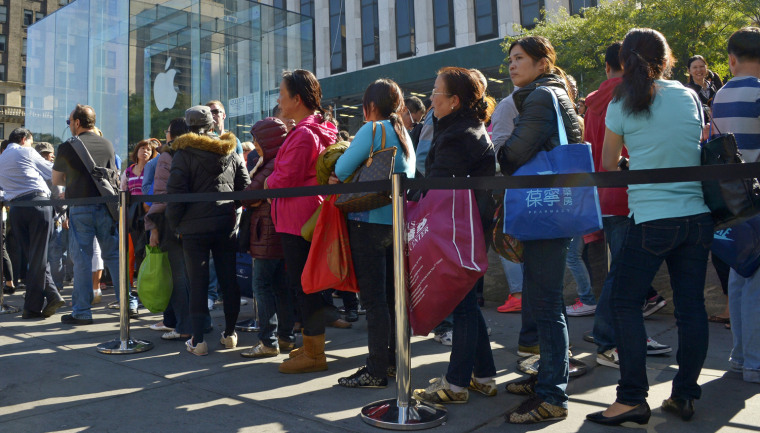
[[530, 10], [2, 131], [38, 16], [370, 33], [28, 17], [443, 22], [577, 5], [405, 46], [307, 53], [23, 100], [282, 4], [307, 8], [3, 14], [2, 42], [23, 46], [486, 20], [2, 72], [2, 98], [337, 36], [23, 73]]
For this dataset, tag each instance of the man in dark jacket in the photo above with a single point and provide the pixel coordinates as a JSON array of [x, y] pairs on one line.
[[206, 163]]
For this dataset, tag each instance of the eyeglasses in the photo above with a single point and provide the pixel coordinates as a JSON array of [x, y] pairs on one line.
[[216, 111], [68, 122], [434, 93]]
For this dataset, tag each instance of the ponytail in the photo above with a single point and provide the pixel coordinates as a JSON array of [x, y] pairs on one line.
[[398, 126], [646, 57]]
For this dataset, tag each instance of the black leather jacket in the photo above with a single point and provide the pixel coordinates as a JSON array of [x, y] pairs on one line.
[[203, 163], [536, 126]]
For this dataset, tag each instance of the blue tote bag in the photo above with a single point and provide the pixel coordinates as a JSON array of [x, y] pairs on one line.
[[563, 211], [739, 246]]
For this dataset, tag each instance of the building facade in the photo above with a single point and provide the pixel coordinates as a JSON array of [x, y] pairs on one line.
[[358, 41], [15, 17]]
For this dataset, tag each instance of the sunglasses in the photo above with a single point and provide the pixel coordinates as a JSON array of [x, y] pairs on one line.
[[216, 111]]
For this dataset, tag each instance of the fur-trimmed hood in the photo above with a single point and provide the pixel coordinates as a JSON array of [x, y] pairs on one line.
[[223, 145]]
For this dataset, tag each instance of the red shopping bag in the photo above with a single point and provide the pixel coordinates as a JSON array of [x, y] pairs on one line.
[[329, 265], [446, 252]]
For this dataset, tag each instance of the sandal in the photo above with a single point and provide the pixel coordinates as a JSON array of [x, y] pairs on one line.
[[719, 319]]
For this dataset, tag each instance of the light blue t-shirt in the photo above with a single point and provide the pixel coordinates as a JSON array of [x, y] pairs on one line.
[[668, 137], [358, 152]]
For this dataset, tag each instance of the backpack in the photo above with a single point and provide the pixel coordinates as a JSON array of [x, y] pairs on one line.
[[106, 179]]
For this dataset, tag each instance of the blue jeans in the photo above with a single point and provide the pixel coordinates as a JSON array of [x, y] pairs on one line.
[[514, 273], [683, 243], [86, 223], [274, 301], [744, 303], [615, 228], [543, 302], [56, 249], [470, 347], [579, 270]]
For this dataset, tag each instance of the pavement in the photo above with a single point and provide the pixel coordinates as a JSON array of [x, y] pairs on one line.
[[52, 379]]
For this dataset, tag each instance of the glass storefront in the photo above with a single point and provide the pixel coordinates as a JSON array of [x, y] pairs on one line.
[[141, 63]]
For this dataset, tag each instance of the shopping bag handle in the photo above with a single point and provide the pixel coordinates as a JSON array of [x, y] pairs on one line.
[[560, 121]]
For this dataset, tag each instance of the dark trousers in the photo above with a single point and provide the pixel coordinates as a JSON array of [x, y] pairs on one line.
[[470, 346], [274, 301], [7, 266], [33, 227], [196, 251], [178, 316], [315, 312], [683, 243], [372, 254]]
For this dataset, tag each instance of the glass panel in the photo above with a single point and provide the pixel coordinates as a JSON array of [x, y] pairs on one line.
[[530, 10], [486, 25], [443, 20], [3, 14], [405, 45], [28, 17], [337, 36], [370, 33], [576, 6], [2, 42]]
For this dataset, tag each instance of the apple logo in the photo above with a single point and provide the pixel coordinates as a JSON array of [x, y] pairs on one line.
[[163, 88]]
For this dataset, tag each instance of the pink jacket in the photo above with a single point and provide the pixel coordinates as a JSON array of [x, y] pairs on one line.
[[295, 165]]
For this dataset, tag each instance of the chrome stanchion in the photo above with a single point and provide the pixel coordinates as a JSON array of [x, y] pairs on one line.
[[252, 324], [123, 345], [4, 308], [403, 412]]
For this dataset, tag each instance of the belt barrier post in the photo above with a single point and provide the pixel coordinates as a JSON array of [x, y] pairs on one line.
[[403, 412], [252, 324], [123, 345], [4, 308]]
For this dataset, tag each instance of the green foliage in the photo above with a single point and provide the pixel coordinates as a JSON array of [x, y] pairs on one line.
[[580, 42]]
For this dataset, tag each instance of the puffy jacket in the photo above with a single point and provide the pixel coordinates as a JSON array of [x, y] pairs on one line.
[[160, 179], [265, 243], [204, 163], [461, 147], [613, 201], [295, 166], [536, 126]]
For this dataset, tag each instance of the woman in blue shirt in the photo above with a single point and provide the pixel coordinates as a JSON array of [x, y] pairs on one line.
[[659, 122], [370, 232]]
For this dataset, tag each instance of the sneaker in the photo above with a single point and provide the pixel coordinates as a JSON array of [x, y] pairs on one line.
[[536, 410], [210, 304], [511, 305], [363, 379], [609, 358], [488, 389], [352, 316], [523, 387], [173, 335], [653, 305], [113, 305], [261, 351], [243, 301], [655, 348], [160, 327], [525, 351], [229, 342], [529, 365], [440, 391], [361, 310], [444, 338], [580, 309], [200, 349], [97, 296]]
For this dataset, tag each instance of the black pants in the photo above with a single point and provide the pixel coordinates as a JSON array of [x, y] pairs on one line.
[[196, 251], [315, 312], [33, 227], [7, 265]]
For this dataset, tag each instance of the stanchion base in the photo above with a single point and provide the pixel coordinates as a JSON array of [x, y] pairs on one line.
[[250, 325], [417, 416], [119, 347], [7, 309]]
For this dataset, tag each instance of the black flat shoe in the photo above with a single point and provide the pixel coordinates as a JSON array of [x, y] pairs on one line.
[[639, 415], [71, 320], [680, 407], [31, 315]]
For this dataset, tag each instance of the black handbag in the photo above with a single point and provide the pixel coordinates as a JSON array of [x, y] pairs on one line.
[[379, 166], [731, 201]]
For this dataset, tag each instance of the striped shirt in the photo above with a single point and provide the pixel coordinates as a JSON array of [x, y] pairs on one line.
[[736, 109]]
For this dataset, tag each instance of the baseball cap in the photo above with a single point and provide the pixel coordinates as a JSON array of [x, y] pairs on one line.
[[199, 115], [43, 147]]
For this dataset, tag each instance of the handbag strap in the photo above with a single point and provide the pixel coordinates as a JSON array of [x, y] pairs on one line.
[[560, 121], [382, 139]]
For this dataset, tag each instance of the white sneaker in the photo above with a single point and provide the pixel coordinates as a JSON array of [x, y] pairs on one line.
[[655, 348], [229, 342], [243, 301], [210, 304], [444, 338], [580, 309], [609, 358], [200, 349]]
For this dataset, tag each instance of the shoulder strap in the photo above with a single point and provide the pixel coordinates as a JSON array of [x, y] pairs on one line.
[[560, 121], [382, 139], [83, 153]]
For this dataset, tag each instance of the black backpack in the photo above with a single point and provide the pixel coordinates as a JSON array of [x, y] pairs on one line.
[[106, 179]]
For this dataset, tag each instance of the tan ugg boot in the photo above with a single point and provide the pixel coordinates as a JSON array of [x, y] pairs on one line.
[[309, 359], [295, 352]]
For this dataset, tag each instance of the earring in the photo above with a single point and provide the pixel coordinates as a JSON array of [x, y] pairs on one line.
[[452, 108]]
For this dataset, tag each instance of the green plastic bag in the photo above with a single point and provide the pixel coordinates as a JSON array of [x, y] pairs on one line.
[[154, 280]]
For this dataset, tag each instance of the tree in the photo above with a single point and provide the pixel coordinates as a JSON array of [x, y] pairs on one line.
[[580, 41]]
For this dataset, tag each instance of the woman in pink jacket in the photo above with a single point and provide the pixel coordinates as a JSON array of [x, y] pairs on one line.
[[295, 165]]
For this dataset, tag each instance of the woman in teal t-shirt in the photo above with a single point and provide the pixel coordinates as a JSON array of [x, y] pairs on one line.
[[658, 122], [370, 233]]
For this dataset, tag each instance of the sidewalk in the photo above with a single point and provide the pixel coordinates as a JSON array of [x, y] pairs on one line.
[[53, 380]]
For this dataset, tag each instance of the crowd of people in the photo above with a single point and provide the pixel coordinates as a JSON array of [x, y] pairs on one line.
[[637, 119]]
